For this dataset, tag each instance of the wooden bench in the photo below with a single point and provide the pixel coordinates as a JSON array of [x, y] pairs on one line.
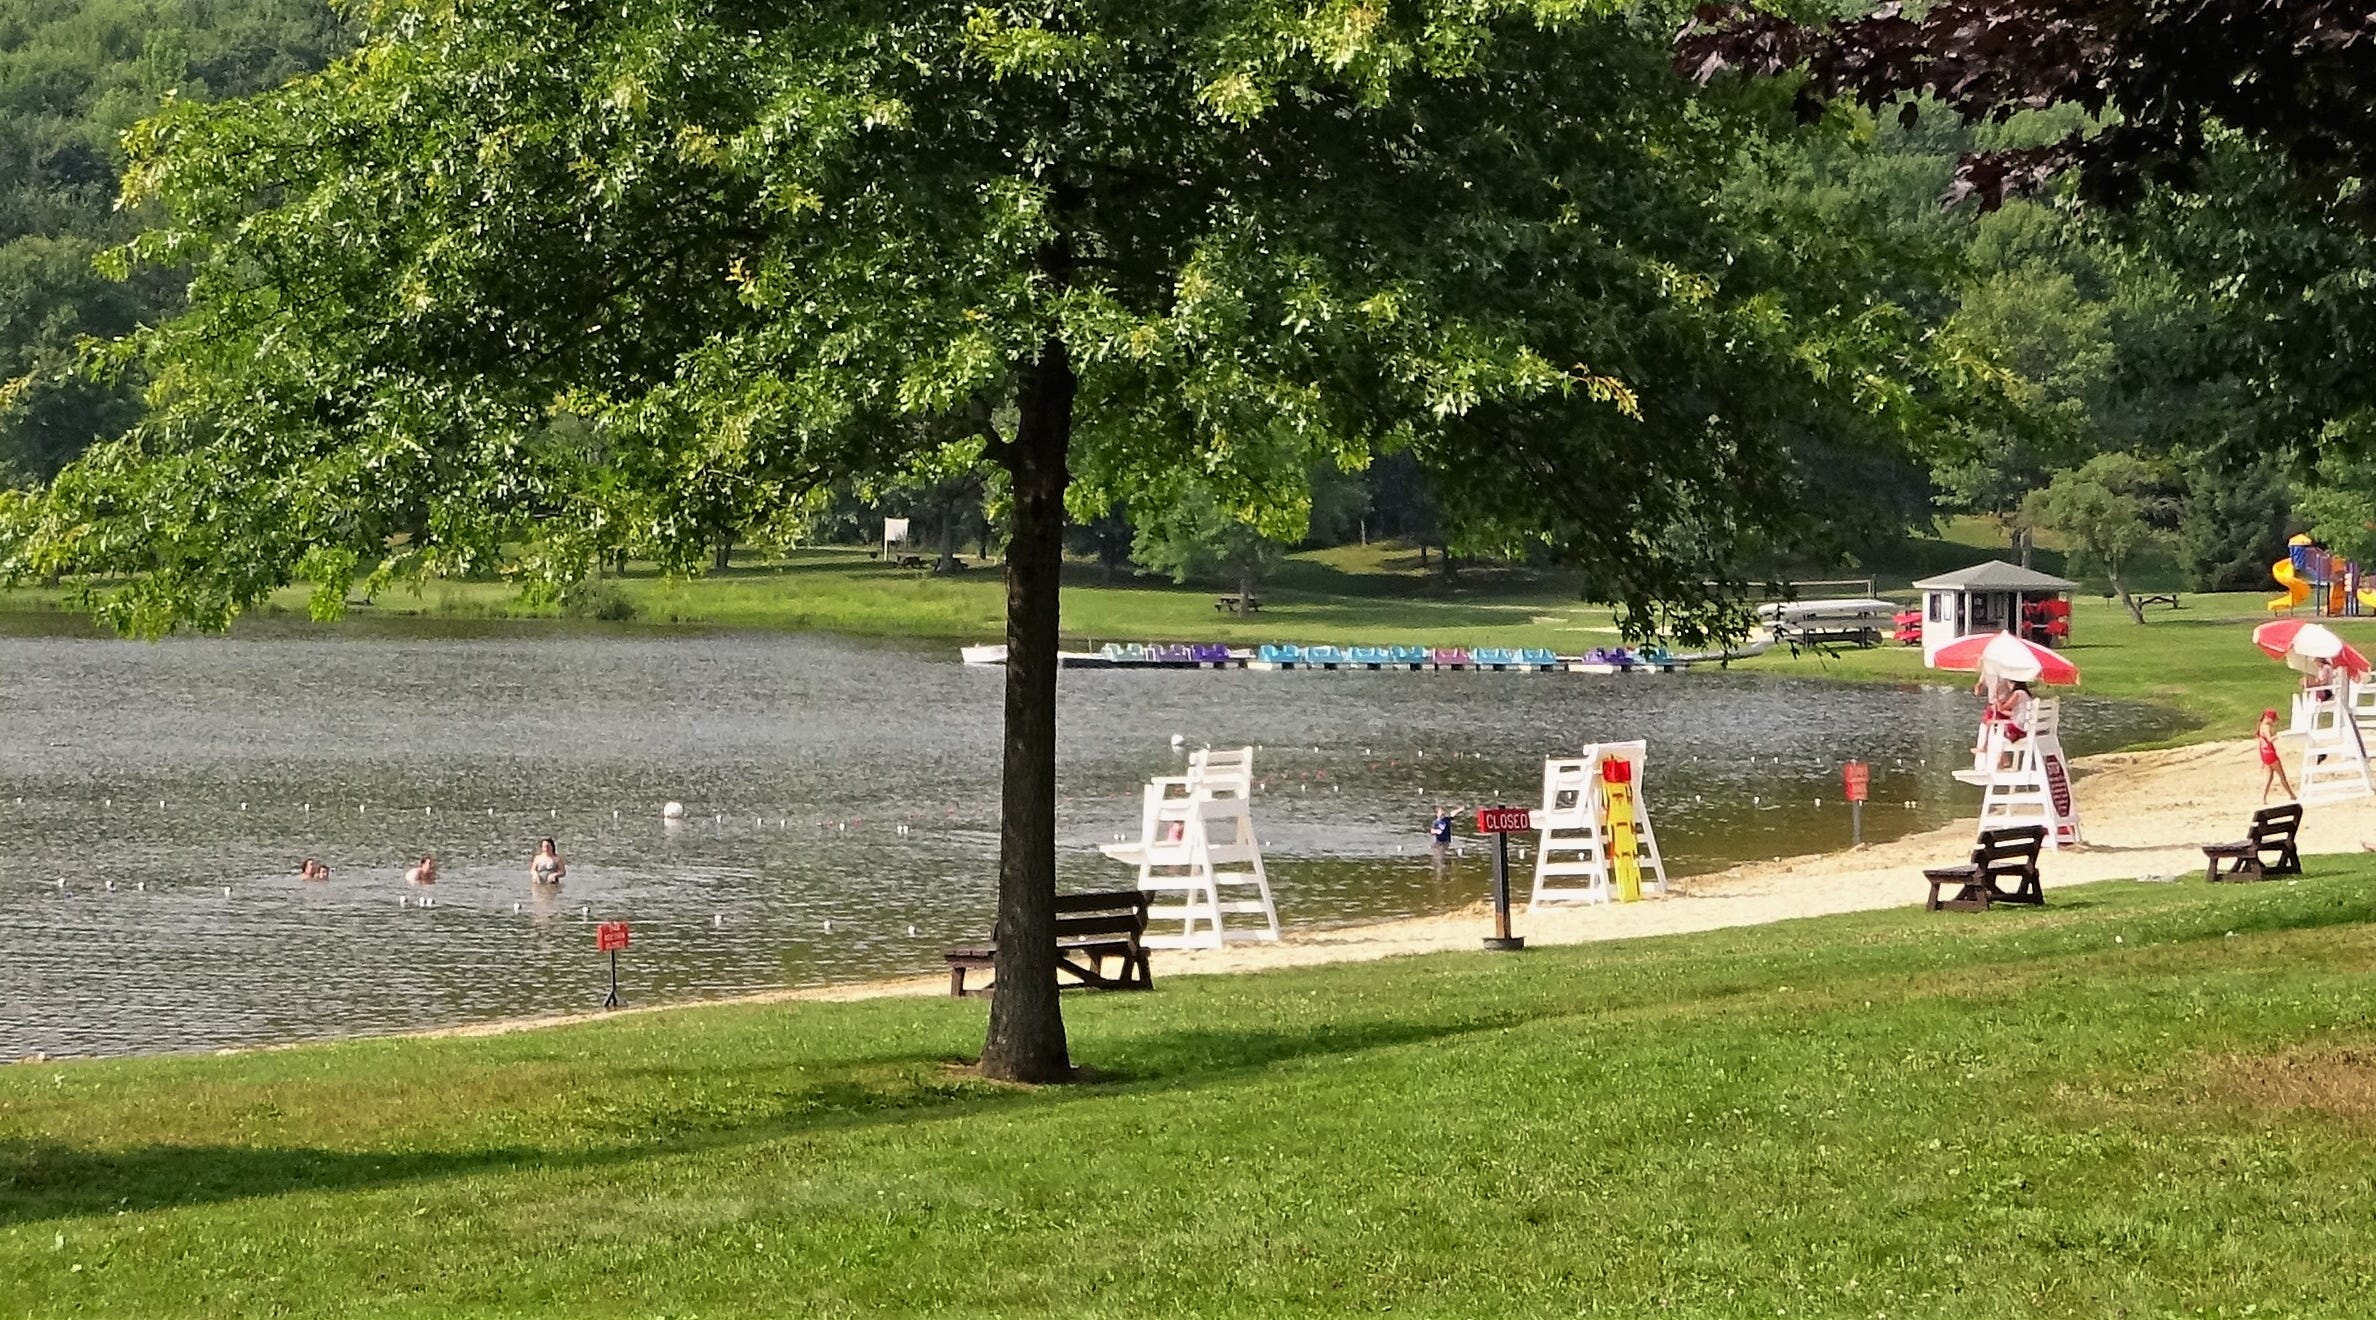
[[910, 561], [1237, 604], [2006, 854], [2169, 598], [1090, 928], [2273, 831]]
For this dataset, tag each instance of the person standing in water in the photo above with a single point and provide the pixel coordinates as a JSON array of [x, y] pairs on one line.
[[547, 868], [422, 873], [1440, 829], [2273, 766]]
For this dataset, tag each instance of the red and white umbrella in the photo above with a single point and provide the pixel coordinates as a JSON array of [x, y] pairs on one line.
[[2306, 646], [2002, 655]]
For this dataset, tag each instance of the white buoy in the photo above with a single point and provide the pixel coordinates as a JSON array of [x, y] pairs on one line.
[[673, 811], [424, 811], [490, 813], [309, 808], [718, 920], [142, 886], [226, 891], [111, 886], [515, 907], [911, 931], [403, 901], [1179, 741], [829, 925]]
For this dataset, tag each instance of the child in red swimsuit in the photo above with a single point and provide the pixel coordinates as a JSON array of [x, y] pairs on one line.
[[2267, 739]]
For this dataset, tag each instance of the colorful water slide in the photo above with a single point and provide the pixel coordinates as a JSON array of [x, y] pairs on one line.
[[2296, 590]]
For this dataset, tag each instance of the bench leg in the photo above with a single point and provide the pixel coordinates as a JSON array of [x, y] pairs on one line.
[[956, 982]]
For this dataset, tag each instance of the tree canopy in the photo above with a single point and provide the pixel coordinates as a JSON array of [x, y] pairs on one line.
[[760, 248]]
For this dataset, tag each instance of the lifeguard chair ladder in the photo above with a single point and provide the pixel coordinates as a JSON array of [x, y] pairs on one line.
[[2025, 780], [2334, 754], [1198, 851], [1572, 863]]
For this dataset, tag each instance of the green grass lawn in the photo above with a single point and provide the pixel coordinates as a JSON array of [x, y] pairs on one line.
[[2146, 1100]]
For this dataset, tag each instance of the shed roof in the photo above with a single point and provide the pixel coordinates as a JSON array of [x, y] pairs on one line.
[[1996, 575]]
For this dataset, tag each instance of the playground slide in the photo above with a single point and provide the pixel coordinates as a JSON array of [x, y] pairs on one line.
[[2296, 590]]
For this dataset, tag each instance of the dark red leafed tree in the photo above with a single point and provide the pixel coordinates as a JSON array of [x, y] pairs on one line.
[[2297, 77]]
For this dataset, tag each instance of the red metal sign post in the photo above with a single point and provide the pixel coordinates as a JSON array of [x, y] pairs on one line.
[[1501, 823], [1857, 778], [610, 937]]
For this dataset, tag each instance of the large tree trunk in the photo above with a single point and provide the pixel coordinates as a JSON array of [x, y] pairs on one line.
[[1026, 1038], [948, 531], [722, 554]]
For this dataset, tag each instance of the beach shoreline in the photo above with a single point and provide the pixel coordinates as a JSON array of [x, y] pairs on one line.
[[2145, 814]]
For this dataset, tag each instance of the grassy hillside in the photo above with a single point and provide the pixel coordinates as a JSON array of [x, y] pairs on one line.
[[2145, 1100]]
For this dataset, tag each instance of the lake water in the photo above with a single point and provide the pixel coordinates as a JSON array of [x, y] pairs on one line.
[[825, 781]]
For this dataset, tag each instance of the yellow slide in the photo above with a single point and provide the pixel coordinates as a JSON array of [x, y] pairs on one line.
[[2296, 590]]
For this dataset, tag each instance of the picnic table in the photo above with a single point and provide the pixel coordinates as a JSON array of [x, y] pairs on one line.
[[1238, 603], [1090, 928]]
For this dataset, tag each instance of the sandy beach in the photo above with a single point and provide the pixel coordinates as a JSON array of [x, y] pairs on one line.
[[2144, 814]]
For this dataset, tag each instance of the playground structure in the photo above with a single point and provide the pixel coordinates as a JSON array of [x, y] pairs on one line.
[[2330, 584], [1595, 842], [2024, 777], [1986, 598], [1198, 854]]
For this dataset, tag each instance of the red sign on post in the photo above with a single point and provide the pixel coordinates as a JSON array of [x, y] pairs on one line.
[[610, 937], [1504, 820], [1857, 778]]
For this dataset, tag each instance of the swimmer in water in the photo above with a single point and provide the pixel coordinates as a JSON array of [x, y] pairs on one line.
[[425, 873], [309, 869], [547, 868]]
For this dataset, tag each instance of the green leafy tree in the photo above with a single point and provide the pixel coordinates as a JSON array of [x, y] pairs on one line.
[[2234, 525], [1124, 249], [2338, 505], [2109, 508], [1191, 537]]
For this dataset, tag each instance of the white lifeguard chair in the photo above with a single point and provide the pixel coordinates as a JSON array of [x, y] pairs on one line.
[[2334, 753], [2026, 780], [1198, 853], [1572, 844]]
